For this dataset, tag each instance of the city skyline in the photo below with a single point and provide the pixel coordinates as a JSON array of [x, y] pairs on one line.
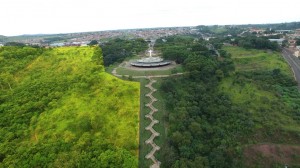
[[66, 16]]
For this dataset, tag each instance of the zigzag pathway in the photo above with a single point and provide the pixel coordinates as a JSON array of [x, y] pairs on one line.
[[155, 148]]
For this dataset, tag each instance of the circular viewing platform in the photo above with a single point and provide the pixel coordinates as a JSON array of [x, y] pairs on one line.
[[138, 64], [150, 62]]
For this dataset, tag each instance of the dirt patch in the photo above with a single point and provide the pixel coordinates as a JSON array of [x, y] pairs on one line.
[[268, 155]]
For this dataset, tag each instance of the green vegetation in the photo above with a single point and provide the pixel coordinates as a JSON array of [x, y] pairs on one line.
[[252, 60], [93, 42], [116, 50], [60, 109], [219, 112], [256, 42], [15, 44], [144, 122], [202, 121], [271, 97], [161, 127], [160, 115], [178, 48]]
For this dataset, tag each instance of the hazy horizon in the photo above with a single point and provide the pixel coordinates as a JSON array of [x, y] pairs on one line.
[[66, 16]]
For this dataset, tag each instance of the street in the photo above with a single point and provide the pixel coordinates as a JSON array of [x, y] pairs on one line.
[[294, 62]]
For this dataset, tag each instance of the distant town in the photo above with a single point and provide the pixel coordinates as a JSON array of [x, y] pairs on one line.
[[82, 39], [286, 37]]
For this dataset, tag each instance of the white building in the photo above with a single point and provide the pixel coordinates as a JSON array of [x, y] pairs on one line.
[[279, 41]]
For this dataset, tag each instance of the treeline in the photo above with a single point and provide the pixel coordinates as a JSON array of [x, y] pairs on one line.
[[256, 43], [248, 42], [116, 50]]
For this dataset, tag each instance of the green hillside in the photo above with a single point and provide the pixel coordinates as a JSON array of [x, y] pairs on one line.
[[263, 85], [257, 60], [58, 108]]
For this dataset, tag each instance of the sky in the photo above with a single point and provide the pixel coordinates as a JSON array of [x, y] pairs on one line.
[[19, 17]]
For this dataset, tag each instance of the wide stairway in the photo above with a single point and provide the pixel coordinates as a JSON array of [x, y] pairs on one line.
[[155, 148]]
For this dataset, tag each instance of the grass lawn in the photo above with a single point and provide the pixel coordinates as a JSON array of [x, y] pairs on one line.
[[160, 115], [125, 71]]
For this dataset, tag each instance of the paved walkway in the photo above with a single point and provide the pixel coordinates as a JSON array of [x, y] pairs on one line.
[[155, 148], [154, 134]]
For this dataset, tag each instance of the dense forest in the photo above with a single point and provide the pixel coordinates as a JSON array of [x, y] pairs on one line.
[[58, 108], [116, 50], [178, 48], [224, 107]]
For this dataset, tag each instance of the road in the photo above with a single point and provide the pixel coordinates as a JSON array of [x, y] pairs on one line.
[[294, 62]]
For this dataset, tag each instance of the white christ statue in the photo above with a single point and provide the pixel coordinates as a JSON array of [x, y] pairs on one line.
[[150, 51]]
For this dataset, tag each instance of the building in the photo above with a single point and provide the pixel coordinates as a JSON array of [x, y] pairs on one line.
[[1, 45], [283, 31], [279, 41]]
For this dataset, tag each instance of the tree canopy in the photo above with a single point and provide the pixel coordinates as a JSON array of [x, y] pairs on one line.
[[60, 109], [225, 104], [116, 50]]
